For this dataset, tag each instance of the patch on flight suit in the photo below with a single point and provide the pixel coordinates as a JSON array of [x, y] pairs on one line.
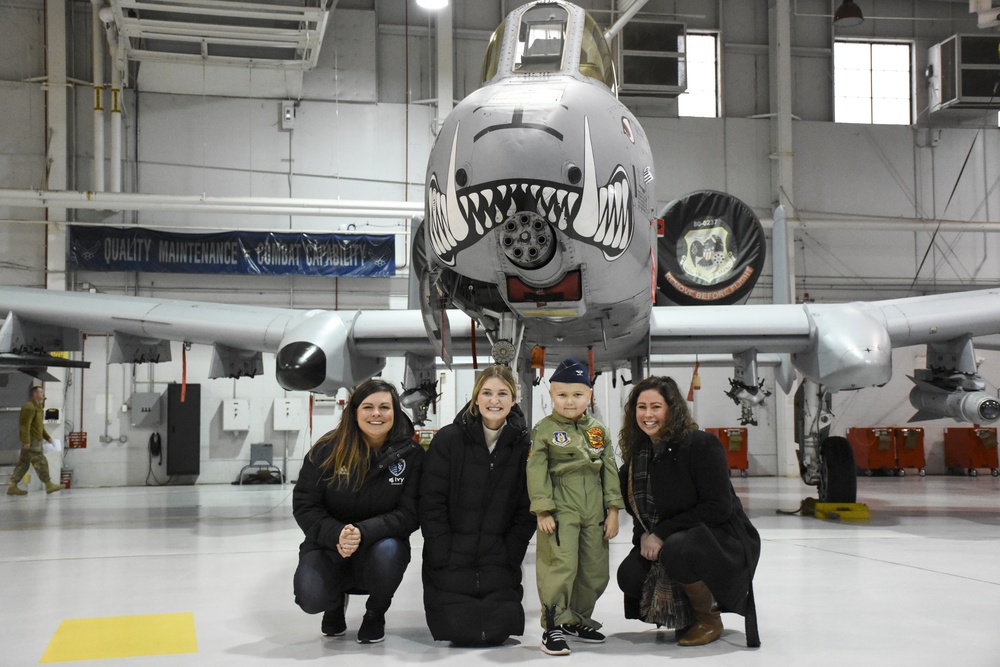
[[596, 437], [560, 438]]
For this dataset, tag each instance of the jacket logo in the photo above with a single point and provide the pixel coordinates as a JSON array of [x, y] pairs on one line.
[[596, 438], [396, 470], [560, 438]]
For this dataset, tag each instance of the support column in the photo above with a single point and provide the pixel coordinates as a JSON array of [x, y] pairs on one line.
[[445, 65], [782, 150], [57, 138], [97, 59], [783, 192]]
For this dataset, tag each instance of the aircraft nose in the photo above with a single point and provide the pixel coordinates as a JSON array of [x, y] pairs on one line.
[[301, 366]]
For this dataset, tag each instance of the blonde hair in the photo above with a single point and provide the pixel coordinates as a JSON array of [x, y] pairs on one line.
[[499, 371]]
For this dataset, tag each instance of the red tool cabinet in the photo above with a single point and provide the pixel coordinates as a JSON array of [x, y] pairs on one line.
[[909, 444], [873, 449], [967, 449], [734, 440]]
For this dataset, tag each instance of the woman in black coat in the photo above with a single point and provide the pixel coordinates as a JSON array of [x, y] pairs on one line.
[[687, 517], [356, 502], [474, 517]]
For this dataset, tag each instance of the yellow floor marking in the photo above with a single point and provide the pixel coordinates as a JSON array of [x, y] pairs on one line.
[[122, 637]]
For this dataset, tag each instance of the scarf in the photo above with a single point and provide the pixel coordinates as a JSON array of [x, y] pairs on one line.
[[663, 600]]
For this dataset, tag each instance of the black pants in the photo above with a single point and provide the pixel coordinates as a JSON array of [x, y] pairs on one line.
[[675, 557], [323, 576]]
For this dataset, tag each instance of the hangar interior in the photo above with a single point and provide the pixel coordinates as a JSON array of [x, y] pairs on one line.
[[880, 211], [346, 107]]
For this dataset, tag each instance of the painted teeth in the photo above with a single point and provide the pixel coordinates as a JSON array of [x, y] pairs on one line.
[[493, 203], [614, 229]]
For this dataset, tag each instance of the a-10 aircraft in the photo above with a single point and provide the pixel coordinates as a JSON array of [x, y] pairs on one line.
[[540, 227]]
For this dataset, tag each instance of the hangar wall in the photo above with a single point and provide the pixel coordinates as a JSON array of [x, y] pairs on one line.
[[867, 196]]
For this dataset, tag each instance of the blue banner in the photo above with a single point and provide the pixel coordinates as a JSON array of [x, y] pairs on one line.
[[240, 253]]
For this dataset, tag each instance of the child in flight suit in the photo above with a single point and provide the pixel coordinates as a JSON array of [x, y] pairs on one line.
[[575, 496]]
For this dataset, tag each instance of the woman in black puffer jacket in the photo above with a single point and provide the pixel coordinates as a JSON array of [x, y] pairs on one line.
[[356, 502], [474, 517]]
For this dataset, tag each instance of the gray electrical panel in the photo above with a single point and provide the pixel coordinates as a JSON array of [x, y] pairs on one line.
[[146, 409]]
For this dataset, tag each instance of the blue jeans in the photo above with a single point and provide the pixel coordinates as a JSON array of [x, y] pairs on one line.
[[323, 576]]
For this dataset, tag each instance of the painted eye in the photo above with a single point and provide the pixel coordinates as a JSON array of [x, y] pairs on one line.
[[573, 174], [461, 178]]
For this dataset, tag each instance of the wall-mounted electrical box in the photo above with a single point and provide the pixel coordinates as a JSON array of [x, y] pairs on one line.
[[236, 414], [287, 112], [145, 409], [289, 414]]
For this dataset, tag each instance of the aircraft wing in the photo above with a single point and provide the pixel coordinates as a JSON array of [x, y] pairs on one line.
[[800, 327], [317, 350], [849, 345]]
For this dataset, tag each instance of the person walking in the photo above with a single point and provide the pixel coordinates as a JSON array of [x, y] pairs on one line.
[[31, 433]]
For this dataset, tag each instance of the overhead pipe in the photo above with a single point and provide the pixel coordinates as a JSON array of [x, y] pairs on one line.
[[629, 12], [133, 201]]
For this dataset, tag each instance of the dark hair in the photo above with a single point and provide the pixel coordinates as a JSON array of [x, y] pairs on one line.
[[680, 423], [349, 452], [498, 371]]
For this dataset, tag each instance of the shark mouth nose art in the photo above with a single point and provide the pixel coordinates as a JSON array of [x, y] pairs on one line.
[[601, 216]]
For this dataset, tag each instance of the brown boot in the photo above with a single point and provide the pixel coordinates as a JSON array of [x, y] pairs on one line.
[[708, 625], [13, 490], [52, 487]]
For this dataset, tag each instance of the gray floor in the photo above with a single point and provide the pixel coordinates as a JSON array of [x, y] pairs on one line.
[[919, 584]]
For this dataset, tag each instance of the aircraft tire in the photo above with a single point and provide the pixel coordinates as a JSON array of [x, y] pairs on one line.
[[838, 481]]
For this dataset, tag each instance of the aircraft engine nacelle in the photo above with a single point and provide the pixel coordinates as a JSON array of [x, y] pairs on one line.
[[711, 252], [850, 349], [977, 407], [317, 354]]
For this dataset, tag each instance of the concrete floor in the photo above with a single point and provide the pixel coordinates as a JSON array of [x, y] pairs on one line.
[[918, 584]]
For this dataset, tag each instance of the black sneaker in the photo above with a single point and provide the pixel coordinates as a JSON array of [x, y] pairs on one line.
[[583, 633], [554, 643], [334, 621], [372, 629]]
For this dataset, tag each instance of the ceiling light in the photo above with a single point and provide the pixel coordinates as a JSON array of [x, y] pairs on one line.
[[433, 5], [848, 15]]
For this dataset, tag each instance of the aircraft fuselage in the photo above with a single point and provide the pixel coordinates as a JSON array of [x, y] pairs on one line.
[[541, 183]]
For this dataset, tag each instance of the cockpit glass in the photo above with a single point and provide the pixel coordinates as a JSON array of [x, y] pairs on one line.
[[492, 59], [541, 39], [595, 56]]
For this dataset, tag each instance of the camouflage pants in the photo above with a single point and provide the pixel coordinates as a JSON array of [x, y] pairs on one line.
[[34, 457]]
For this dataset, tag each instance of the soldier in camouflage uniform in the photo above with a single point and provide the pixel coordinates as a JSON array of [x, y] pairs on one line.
[[32, 432]]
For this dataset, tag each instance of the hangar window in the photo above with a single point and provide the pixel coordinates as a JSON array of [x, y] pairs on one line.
[[873, 82], [702, 95]]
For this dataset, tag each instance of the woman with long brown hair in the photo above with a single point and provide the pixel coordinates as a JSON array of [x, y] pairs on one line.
[[356, 502], [689, 523]]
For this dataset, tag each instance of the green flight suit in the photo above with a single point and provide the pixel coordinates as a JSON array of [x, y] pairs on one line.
[[573, 475]]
